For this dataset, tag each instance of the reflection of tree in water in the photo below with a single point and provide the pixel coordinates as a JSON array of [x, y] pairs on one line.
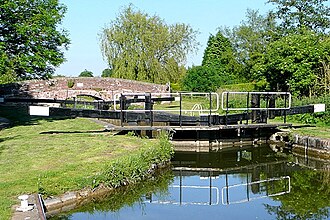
[[126, 196], [308, 199]]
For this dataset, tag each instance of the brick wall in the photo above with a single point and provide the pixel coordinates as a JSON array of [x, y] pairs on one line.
[[57, 88]]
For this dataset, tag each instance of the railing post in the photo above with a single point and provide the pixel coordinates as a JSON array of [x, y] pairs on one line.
[[272, 104], [121, 104], [267, 106], [75, 102], [247, 186], [148, 107], [227, 188], [255, 103], [210, 176], [148, 114], [180, 116], [247, 107], [285, 99]]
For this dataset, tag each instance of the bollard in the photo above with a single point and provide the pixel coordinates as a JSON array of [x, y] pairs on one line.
[[24, 204]]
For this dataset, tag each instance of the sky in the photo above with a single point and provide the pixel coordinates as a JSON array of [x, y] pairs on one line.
[[85, 19]]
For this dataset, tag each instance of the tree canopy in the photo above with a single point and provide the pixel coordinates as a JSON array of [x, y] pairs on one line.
[[86, 73], [294, 15], [251, 38], [294, 63], [106, 72], [218, 66], [201, 79], [219, 54], [285, 50], [30, 41], [142, 47]]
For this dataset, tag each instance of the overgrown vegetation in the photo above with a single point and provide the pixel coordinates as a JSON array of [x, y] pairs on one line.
[[55, 156], [319, 118]]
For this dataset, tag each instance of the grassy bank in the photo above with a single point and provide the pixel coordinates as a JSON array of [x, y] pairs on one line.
[[55, 156], [320, 131]]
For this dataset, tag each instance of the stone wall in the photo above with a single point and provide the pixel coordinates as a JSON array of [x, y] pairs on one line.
[[104, 88], [303, 145], [312, 142]]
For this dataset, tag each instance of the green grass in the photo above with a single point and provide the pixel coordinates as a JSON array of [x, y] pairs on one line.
[[311, 130], [240, 87], [55, 156]]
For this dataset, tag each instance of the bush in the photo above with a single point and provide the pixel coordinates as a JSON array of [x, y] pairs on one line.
[[321, 118], [201, 79], [70, 83]]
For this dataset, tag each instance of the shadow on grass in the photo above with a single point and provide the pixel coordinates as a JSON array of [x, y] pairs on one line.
[[19, 116], [74, 132], [303, 126], [6, 139]]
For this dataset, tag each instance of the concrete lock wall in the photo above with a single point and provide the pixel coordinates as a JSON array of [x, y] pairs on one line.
[[58, 88]]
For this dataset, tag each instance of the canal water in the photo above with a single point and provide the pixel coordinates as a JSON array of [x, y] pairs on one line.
[[233, 183]]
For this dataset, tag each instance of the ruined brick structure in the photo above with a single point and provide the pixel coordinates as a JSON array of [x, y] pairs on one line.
[[58, 88]]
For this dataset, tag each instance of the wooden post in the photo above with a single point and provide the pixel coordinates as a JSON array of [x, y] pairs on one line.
[[272, 105], [122, 103], [285, 100], [247, 108], [255, 103], [180, 116], [148, 106]]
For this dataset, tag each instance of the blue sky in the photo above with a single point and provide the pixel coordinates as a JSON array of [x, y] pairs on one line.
[[85, 19]]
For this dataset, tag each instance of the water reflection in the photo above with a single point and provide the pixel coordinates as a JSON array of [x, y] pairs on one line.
[[236, 183]]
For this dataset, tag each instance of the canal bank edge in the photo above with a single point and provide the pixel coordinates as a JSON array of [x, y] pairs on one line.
[[304, 145], [146, 160], [153, 160], [75, 199], [312, 146]]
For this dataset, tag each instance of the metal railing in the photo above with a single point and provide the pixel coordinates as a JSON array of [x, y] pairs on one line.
[[172, 97], [225, 190], [249, 103], [181, 202]]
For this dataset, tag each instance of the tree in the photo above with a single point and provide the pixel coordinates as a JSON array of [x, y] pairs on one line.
[[6, 74], [201, 79], [30, 40], [250, 40], [142, 47], [295, 63], [106, 72], [313, 15], [219, 54], [86, 73]]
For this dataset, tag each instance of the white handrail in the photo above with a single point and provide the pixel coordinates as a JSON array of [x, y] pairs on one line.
[[176, 96], [227, 108]]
